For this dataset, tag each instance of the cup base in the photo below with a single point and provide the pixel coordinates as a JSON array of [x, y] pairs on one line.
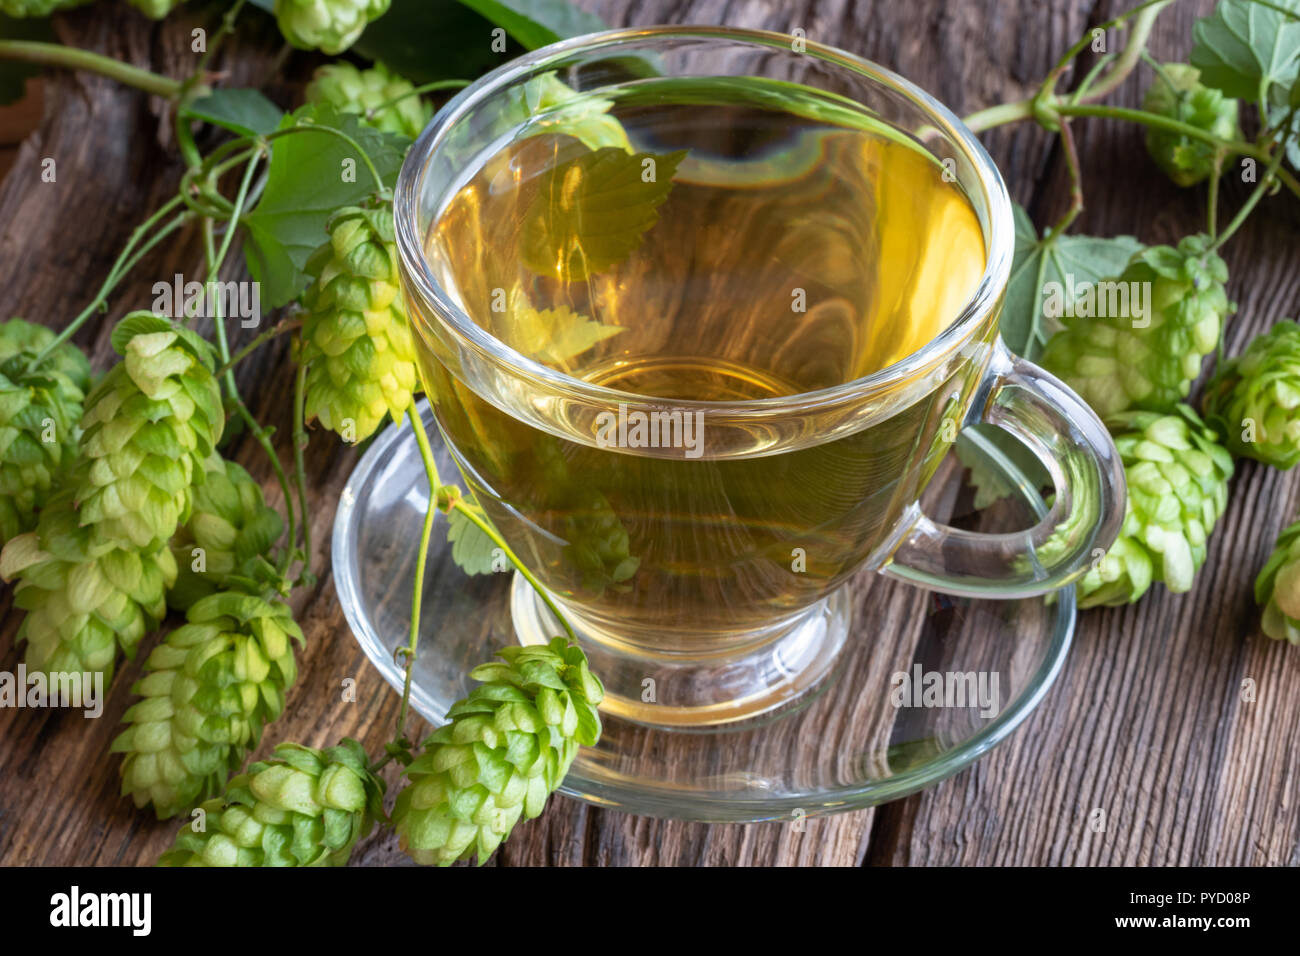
[[776, 671]]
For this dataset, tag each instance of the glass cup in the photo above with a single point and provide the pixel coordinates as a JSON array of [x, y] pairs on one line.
[[706, 577]]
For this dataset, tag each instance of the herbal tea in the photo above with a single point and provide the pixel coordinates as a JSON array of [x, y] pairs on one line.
[[697, 252]]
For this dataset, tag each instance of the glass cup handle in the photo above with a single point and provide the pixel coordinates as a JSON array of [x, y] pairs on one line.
[[1075, 448]]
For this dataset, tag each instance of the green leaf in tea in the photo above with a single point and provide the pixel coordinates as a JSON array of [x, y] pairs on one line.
[[1072, 261], [312, 173], [552, 335], [472, 550], [246, 112], [591, 211], [1244, 47]]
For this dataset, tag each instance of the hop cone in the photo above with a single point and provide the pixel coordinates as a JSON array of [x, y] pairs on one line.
[[208, 689], [82, 603], [303, 807], [330, 26], [507, 746], [1277, 589], [39, 411], [230, 525], [355, 335], [1116, 364], [1179, 95], [1254, 400], [156, 8], [36, 8], [1177, 489], [148, 426], [350, 90]]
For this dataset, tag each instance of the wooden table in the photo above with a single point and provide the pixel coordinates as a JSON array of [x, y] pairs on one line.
[[1147, 720]]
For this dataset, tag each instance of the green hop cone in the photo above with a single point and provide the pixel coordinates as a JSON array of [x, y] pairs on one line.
[[303, 807], [82, 603], [1177, 488], [1179, 95], [350, 90], [230, 525], [156, 8], [37, 8], [148, 426], [330, 26], [208, 689], [356, 339], [1253, 402], [39, 412], [1277, 589], [507, 746], [1121, 361]]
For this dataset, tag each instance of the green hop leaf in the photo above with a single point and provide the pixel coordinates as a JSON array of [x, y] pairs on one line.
[[1277, 588], [1177, 489], [1059, 259], [554, 336], [1125, 360], [1177, 94], [356, 339], [312, 174], [1253, 402], [208, 689], [303, 807], [330, 26], [536, 23], [472, 550], [350, 90], [506, 747], [589, 213], [245, 112], [1243, 48]]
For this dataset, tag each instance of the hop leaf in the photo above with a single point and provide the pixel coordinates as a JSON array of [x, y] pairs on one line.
[[1177, 489], [148, 426], [230, 525], [330, 26], [1277, 589], [350, 90], [1253, 402], [507, 746], [1118, 361], [303, 807], [1178, 94], [39, 412], [209, 688], [356, 340], [82, 603]]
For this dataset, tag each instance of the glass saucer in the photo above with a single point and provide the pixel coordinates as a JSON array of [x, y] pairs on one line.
[[974, 668]]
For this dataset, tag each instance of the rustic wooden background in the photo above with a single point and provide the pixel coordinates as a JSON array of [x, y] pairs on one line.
[[1147, 721]]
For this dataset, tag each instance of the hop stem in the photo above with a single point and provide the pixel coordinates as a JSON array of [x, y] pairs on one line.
[[56, 54]]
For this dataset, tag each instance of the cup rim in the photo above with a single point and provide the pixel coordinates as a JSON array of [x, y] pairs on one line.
[[410, 244]]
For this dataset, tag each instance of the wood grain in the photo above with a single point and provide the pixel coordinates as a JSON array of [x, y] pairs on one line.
[[1147, 721]]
